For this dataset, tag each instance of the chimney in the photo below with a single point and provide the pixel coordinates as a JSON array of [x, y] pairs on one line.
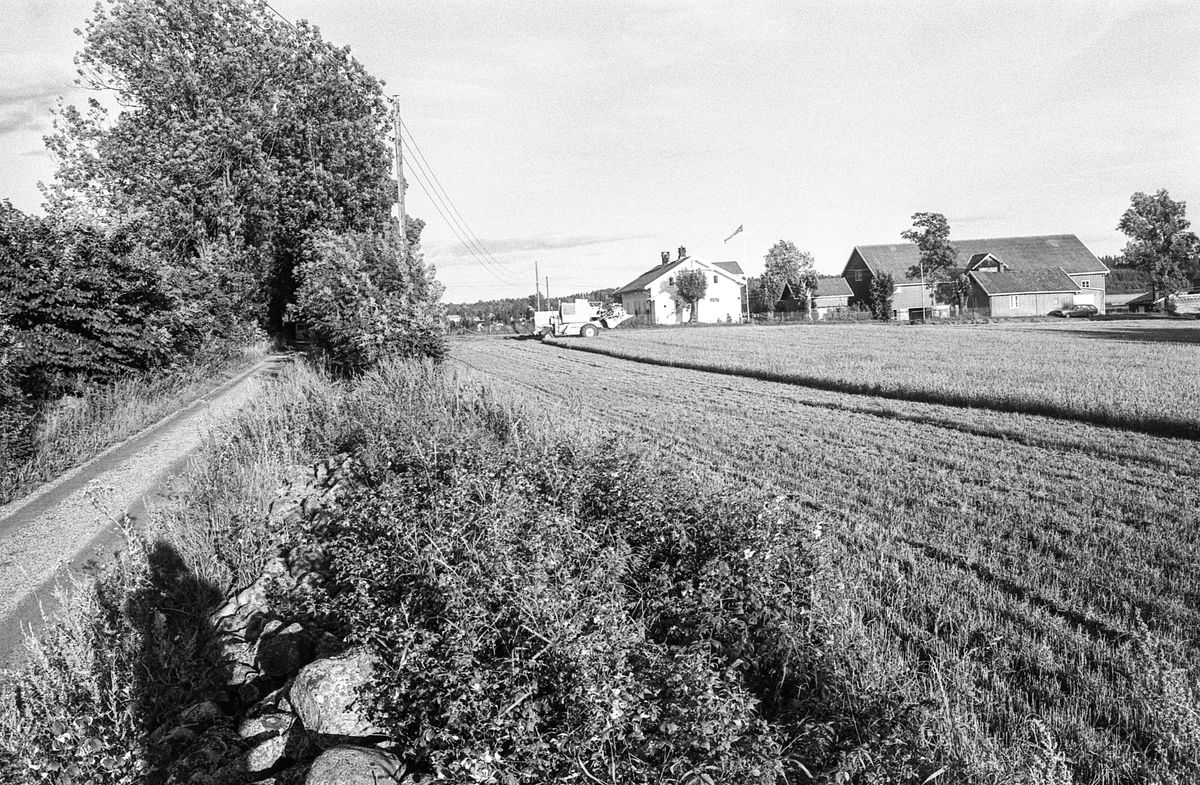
[[682, 252], [666, 257]]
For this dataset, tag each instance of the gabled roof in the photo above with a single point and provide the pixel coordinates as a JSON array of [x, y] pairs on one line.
[[1059, 252], [833, 286], [1024, 282], [979, 258], [732, 269], [646, 278]]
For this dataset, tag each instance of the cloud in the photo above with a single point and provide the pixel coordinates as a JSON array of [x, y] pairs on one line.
[[542, 242], [24, 118], [24, 105]]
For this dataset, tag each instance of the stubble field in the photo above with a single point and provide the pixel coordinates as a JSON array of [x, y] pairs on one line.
[[1139, 374], [1021, 583]]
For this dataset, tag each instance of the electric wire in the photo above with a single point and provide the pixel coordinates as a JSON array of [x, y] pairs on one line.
[[482, 262], [497, 271], [412, 143]]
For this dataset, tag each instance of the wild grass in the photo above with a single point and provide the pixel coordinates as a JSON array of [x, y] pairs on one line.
[[1018, 589], [129, 645], [1136, 375], [75, 429]]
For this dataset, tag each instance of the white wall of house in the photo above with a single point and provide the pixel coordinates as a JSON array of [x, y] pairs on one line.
[[722, 301]]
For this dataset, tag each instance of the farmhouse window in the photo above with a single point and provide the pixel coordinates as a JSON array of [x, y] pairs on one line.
[[1014, 301], [716, 279], [858, 275], [714, 299], [1085, 284], [671, 281]]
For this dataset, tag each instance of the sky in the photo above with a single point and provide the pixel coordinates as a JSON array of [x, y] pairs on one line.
[[587, 137]]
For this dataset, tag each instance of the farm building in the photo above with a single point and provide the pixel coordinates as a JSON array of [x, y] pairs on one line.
[[653, 294], [833, 294], [1010, 276]]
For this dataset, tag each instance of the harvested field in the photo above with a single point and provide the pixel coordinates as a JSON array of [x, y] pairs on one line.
[[1140, 375], [1011, 579]]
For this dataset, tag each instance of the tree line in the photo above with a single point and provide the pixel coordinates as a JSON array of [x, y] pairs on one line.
[[243, 184]]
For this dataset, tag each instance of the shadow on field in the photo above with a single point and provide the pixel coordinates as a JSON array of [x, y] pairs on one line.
[[1184, 335]]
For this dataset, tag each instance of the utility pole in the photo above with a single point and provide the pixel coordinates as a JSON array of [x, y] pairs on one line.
[[400, 175], [548, 292], [537, 286]]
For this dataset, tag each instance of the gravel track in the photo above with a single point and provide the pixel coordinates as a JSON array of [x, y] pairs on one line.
[[70, 522]]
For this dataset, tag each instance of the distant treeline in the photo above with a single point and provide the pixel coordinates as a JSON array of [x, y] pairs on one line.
[[508, 308]]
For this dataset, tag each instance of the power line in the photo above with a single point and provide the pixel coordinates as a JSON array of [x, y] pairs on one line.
[[431, 177], [482, 262], [492, 267], [467, 229]]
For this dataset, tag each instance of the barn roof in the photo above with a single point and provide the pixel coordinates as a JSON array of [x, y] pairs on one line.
[[733, 268], [1025, 282], [1043, 252]]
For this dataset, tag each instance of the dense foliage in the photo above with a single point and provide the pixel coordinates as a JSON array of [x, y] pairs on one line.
[[247, 153], [239, 135], [1159, 241], [364, 297], [883, 288], [551, 608], [788, 265], [938, 258]]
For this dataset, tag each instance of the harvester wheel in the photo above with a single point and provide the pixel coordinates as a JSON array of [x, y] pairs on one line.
[[588, 331]]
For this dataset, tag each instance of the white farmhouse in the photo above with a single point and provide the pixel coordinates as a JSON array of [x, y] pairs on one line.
[[653, 294]]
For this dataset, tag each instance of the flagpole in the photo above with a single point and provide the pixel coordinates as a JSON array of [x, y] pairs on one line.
[[746, 272]]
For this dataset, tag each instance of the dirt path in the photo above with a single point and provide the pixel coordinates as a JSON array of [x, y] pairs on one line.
[[70, 522]]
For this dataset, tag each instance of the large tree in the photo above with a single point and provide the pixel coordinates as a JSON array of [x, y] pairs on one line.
[[240, 139], [938, 258], [1159, 242], [786, 264], [691, 286]]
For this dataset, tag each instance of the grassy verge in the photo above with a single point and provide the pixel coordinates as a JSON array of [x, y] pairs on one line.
[[75, 429], [130, 646]]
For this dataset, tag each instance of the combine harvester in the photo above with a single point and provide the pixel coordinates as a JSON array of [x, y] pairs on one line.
[[578, 317]]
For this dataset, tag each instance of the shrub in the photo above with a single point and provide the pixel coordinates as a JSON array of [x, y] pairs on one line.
[[549, 606], [364, 298]]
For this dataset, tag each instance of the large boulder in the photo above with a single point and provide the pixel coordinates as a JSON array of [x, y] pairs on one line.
[[326, 695], [355, 766]]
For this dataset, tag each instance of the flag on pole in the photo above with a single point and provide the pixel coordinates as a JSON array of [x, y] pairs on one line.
[[735, 231]]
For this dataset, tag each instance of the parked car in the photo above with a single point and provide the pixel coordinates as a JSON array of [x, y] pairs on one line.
[[1068, 311]]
